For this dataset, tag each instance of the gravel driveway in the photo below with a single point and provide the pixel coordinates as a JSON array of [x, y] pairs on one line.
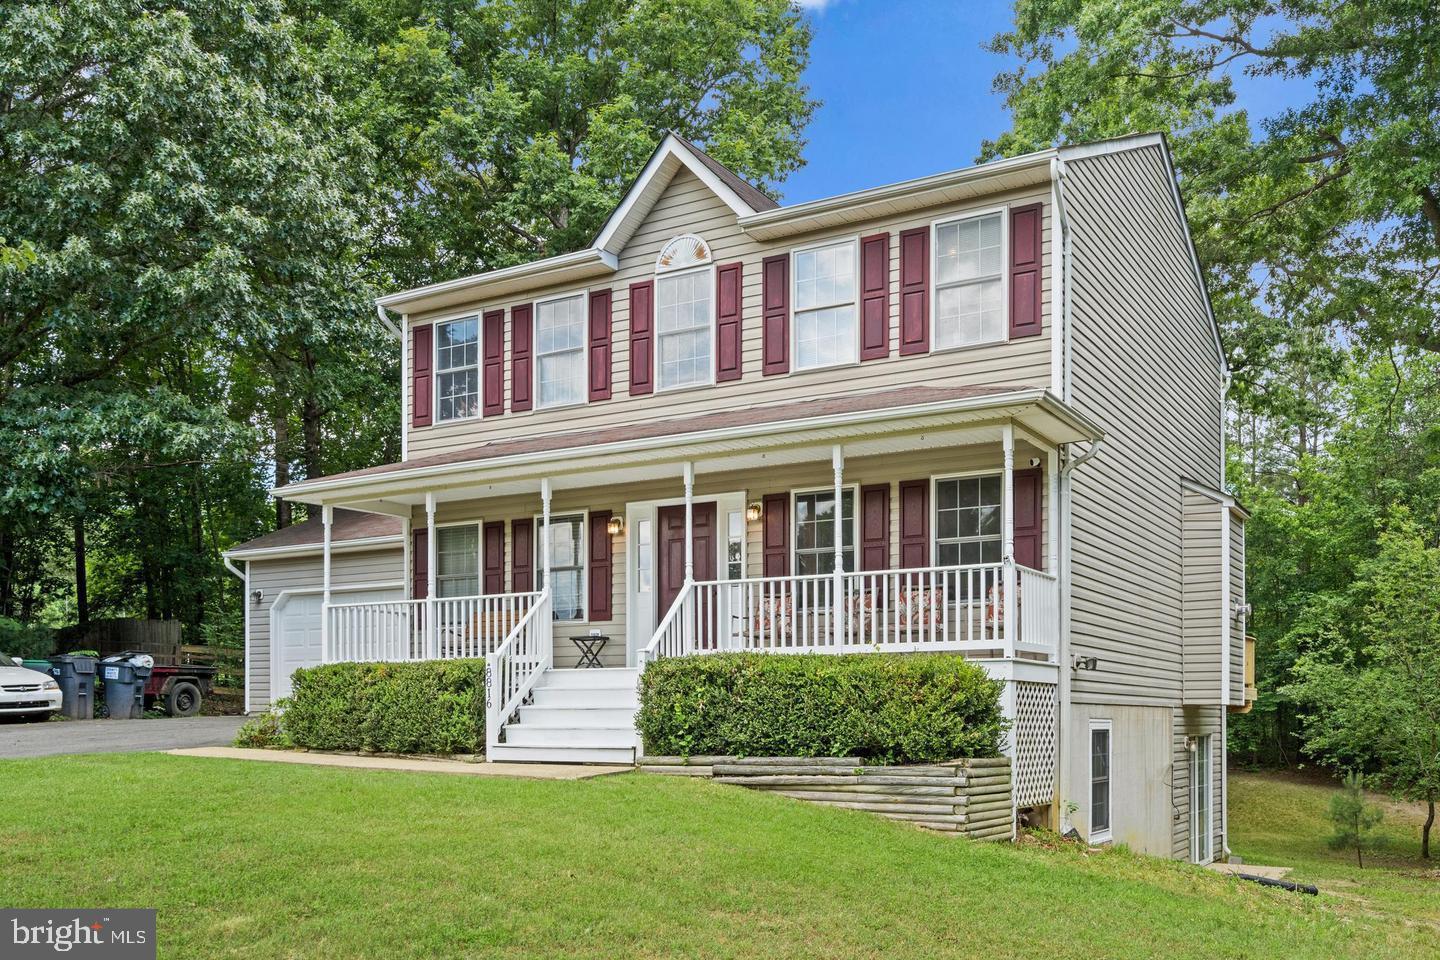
[[114, 736]]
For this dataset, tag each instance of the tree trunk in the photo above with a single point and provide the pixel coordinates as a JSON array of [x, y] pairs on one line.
[[82, 601], [7, 571], [1425, 831], [282, 468], [310, 417]]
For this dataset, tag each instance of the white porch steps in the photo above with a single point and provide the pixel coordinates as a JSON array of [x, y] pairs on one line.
[[577, 716]]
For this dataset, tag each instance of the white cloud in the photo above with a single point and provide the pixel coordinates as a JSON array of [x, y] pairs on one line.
[[816, 5]]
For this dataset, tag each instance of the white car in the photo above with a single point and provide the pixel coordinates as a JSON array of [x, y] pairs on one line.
[[26, 692]]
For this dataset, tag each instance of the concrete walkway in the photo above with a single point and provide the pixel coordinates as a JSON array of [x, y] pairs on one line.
[[114, 736], [1254, 869], [533, 771]]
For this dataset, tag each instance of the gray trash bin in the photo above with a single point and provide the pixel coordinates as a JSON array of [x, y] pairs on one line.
[[76, 676], [124, 677]]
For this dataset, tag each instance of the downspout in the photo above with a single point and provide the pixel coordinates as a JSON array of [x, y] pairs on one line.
[[244, 616], [1224, 423], [385, 320]]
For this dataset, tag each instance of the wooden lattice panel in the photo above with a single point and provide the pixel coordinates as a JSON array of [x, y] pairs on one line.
[[1034, 736]]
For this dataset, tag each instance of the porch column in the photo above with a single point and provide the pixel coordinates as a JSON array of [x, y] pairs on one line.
[[545, 532], [1007, 510], [431, 633], [327, 518], [689, 521], [837, 585]]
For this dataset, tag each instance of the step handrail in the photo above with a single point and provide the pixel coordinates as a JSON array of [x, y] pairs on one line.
[[651, 651], [514, 667]]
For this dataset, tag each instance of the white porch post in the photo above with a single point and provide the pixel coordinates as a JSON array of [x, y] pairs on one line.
[[545, 532], [689, 521], [1007, 509], [327, 518], [837, 601], [431, 633]]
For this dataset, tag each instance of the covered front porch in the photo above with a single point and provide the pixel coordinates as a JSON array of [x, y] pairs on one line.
[[918, 527]]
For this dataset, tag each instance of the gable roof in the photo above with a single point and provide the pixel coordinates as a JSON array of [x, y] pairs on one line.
[[348, 526], [746, 190]]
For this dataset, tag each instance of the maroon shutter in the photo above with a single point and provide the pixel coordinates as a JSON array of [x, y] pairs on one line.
[[522, 549], [494, 553], [728, 325], [875, 527], [419, 565], [600, 344], [915, 291], [422, 393], [775, 319], [522, 339], [601, 585], [914, 523], [494, 374], [775, 540], [642, 338], [875, 296], [1027, 518], [1025, 271]]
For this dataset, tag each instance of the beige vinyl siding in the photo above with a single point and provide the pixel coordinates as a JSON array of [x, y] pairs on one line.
[[687, 206], [1140, 788], [1203, 517], [860, 471], [1145, 367], [1237, 596], [273, 577], [1195, 722]]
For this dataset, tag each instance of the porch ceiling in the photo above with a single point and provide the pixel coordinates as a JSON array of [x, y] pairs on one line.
[[913, 419]]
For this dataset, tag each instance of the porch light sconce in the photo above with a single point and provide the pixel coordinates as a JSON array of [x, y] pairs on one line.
[[615, 527], [1085, 663], [753, 511], [1034, 461], [257, 595]]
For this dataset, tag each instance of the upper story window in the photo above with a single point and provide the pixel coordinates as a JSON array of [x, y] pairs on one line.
[[826, 331], [967, 520], [457, 369], [969, 282], [684, 314], [560, 351]]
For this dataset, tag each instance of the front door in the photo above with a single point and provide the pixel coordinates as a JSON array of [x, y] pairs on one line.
[[671, 568]]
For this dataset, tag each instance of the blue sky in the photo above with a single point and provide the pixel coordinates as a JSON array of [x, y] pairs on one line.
[[906, 91]]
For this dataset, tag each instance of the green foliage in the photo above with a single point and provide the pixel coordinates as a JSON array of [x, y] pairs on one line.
[[261, 731], [877, 708], [1354, 819], [1378, 705], [431, 707], [31, 641]]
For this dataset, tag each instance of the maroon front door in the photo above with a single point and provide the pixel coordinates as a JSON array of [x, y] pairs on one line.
[[671, 563]]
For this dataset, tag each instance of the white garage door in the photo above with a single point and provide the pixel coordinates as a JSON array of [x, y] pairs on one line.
[[297, 631]]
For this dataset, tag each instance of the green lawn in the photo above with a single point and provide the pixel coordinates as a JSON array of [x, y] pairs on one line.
[[1279, 818], [257, 860]]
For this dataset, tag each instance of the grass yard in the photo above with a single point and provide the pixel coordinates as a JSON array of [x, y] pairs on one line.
[[258, 860], [1281, 819]]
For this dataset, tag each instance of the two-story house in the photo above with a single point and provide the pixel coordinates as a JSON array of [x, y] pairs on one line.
[[977, 412]]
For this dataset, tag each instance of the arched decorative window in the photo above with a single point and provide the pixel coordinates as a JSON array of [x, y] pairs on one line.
[[681, 253], [684, 314]]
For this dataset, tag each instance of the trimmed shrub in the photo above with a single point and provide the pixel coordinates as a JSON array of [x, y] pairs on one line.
[[878, 708], [262, 730], [432, 707]]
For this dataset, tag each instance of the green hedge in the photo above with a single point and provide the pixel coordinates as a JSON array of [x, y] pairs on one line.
[[880, 708], [432, 707]]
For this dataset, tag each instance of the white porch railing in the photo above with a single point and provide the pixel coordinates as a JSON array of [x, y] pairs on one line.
[[933, 608], [448, 628], [513, 668]]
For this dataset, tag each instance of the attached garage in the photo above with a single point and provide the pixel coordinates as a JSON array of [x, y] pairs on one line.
[[284, 580]]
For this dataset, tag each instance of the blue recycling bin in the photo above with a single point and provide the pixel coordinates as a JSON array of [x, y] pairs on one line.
[[124, 678], [76, 676]]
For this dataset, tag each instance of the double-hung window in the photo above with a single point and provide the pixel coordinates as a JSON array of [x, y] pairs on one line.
[[967, 520], [685, 328], [969, 281], [457, 560], [826, 330], [1099, 781], [457, 369], [815, 531], [567, 566], [560, 351]]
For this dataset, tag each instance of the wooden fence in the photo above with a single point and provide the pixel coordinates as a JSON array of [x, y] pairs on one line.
[[968, 797]]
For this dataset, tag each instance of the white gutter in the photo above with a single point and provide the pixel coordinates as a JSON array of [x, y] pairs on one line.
[[305, 549], [1036, 396], [590, 256]]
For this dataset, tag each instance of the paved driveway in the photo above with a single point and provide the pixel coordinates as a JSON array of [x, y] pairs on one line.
[[114, 736]]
